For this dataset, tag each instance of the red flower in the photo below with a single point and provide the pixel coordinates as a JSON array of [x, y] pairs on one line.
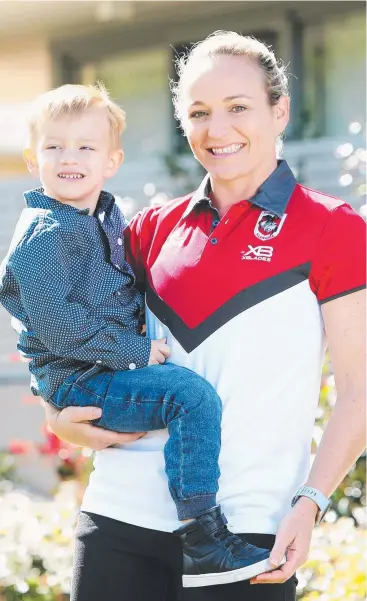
[[52, 445], [19, 447]]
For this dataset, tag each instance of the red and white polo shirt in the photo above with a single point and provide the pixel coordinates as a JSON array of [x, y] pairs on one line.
[[239, 300]]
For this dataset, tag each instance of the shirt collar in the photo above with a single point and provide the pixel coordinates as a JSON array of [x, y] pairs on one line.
[[37, 199], [273, 195]]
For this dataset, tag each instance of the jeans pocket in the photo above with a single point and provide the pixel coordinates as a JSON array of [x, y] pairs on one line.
[[79, 391], [84, 397], [86, 374]]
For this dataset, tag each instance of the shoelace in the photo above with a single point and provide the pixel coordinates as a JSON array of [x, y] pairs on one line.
[[230, 540]]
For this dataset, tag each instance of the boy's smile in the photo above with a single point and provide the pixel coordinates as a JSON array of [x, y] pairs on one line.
[[70, 175], [74, 156]]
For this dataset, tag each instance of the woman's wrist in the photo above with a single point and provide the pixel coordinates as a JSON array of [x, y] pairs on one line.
[[307, 507]]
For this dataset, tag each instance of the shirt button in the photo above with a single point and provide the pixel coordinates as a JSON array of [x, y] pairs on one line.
[[119, 241], [98, 362], [132, 365], [214, 241], [117, 267], [118, 293], [215, 223]]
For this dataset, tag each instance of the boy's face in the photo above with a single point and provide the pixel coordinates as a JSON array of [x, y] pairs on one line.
[[73, 157]]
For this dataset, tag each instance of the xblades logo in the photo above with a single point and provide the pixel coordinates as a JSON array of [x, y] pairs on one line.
[[257, 253]]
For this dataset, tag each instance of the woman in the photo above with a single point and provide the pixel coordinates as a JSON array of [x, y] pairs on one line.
[[242, 277]]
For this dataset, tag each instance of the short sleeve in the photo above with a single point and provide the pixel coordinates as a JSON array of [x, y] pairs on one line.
[[339, 265]]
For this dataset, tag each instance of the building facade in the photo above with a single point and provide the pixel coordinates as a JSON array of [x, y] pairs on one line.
[[131, 46]]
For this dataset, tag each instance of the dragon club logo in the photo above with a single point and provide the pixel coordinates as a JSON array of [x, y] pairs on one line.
[[268, 225]]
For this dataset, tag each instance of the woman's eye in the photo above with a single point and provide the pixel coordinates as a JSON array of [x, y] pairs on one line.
[[86, 148], [197, 114], [52, 147], [238, 108]]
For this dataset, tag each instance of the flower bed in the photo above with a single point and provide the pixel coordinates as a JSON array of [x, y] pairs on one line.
[[335, 569], [36, 547]]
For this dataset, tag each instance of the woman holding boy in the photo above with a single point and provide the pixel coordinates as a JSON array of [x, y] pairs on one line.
[[243, 277]]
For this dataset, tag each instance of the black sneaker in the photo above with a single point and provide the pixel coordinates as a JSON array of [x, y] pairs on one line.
[[213, 555]]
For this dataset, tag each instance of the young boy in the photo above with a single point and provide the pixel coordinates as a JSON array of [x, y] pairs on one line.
[[65, 279]]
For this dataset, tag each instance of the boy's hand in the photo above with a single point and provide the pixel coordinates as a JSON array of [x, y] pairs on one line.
[[159, 351], [72, 424]]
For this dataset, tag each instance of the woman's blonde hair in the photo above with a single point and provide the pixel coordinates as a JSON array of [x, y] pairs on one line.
[[71, 99]]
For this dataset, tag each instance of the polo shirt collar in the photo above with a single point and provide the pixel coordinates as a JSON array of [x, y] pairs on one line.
[[37, 199], [273, 195]]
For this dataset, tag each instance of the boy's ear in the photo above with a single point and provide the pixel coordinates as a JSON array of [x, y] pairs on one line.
[[116, 159], [31, 161]]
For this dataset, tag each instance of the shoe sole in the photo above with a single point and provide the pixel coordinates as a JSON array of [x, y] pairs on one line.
[[232, 576]]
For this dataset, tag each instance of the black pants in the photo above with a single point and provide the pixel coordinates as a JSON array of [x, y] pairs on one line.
[[115, 561]]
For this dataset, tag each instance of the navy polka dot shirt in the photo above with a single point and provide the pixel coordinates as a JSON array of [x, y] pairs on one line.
[[66, 282]]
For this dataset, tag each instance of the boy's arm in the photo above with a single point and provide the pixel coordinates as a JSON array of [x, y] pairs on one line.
[[64, 326]]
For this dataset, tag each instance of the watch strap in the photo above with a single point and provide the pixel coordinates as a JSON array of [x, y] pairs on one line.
[[315, 495]]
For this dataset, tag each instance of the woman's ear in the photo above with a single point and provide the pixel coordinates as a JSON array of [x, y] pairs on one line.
[[281, 113]]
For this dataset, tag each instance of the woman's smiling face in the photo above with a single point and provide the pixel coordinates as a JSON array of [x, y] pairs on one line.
[[230, 125]]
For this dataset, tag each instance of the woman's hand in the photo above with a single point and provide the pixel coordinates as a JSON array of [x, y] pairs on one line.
[[72, 424], [293, 539]]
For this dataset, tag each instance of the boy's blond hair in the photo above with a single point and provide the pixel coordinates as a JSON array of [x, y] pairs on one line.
[[69, 100]]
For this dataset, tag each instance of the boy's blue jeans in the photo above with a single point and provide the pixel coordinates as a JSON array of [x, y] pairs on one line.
[[152, 398]]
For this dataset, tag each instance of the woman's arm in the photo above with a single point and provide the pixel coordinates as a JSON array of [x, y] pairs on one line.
[[72, 424], [344, 438]]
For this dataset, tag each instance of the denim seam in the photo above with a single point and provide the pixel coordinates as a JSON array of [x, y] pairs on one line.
[[101, 398], [180, 407], [182, 458], [205, 494], [176, 405], [146, 401]]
